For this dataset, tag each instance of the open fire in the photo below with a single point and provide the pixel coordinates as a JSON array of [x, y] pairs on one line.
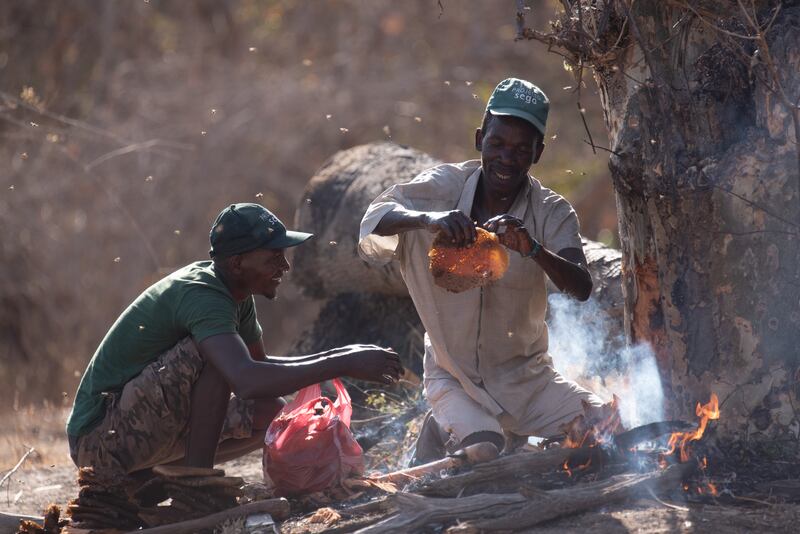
[[599, 435], [682, 440]]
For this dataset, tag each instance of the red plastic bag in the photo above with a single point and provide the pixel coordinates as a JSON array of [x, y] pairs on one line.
[[308, 446]]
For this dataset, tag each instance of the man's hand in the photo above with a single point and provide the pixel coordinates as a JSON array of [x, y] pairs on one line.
[[512, 233], [371, 363], [456, 226]]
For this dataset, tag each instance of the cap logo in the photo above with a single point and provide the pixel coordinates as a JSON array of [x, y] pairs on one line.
[[268, 218], [529, 97]]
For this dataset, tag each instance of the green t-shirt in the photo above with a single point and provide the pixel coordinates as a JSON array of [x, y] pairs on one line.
[[192, 301]]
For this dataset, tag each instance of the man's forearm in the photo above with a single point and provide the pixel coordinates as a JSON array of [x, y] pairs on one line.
[[294, 359], [569, 277], [400, 220], [272, 379]]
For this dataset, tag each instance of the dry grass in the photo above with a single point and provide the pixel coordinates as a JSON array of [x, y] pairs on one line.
[[39, 427]]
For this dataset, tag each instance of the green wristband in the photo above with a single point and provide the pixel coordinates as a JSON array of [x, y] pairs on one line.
[[534, 249]]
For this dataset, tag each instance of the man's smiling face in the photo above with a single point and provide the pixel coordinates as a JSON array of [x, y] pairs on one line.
[[508, 146], [261, 270]]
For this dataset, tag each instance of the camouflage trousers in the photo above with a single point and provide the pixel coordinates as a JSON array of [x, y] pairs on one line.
[[146, 423]]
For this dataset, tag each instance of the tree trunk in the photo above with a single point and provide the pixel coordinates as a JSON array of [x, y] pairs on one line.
[[702, 128]]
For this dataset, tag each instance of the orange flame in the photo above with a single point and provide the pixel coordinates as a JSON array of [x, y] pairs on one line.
[[596, 425], [705, 412]]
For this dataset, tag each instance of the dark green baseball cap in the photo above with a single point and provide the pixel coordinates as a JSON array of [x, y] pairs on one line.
[[520, 98], [243, 227]]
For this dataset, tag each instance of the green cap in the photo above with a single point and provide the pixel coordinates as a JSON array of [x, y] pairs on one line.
[[522, 99], [243, 227]]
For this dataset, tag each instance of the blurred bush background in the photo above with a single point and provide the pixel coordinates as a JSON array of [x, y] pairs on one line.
[[128, 125]]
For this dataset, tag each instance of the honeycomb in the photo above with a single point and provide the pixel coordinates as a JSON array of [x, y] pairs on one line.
[[458, 269]]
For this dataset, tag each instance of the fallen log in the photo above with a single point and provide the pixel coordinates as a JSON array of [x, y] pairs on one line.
[[506, 469], [277, 508], [487, 512]]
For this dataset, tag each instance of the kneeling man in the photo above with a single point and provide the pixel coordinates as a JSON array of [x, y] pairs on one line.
[[487, 371]]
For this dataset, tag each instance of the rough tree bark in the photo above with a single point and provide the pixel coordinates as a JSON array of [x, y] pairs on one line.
[[700, 101], [369, 304]]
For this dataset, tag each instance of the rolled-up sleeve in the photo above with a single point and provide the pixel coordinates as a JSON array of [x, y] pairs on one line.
[[435, 189], [374, 248], [426, 192]]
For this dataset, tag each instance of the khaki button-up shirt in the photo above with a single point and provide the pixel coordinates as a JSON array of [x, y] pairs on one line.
[[493, 339]]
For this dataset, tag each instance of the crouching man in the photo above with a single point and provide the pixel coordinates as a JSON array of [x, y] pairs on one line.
[[182, 377]]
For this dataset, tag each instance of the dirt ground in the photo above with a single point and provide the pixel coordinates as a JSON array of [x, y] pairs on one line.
[[49, 476]]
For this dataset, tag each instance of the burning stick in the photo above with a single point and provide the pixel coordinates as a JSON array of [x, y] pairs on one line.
[[472, 455], [631, 438]]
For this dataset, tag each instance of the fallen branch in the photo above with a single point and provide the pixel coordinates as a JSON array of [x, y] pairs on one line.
[[277, 508], [472, 455], [417, 511], [16, 467]]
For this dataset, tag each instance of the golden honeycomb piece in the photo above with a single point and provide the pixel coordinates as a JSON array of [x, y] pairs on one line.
[[458, 269]]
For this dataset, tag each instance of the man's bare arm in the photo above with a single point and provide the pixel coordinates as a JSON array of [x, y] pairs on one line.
[[455, 225], [567, 270], [250, 379]]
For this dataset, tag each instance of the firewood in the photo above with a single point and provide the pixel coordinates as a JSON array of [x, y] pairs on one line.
[[549, 505], [277, 508], [506, 468], [486, 512], [417, 511], [472, 455]]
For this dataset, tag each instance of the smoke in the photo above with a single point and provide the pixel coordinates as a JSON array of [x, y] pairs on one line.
[[589, 348]]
